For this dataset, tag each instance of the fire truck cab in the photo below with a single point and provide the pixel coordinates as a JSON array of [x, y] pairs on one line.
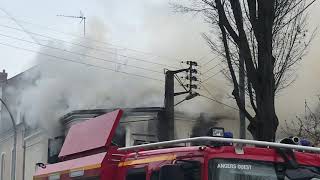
[[88, 153]]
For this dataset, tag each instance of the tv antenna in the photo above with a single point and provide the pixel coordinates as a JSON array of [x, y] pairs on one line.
[[82, 17]]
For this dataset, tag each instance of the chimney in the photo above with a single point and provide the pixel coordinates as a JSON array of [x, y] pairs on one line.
[[3, 76]]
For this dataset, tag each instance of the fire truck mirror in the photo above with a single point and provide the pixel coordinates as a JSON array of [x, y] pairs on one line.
[[172, 171]]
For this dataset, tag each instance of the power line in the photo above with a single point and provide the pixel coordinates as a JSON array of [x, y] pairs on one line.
[[15, 21], [203, 57], [300, 12], [215, 100], [180, 82], [80, 54], [212, 76], [210, 60], [74, 61], [87, 47], [35, 40], [95, 40], [210, 69], [219, 102], [207, 91]]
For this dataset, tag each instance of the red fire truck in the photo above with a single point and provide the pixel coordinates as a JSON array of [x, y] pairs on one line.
[[89, 153]]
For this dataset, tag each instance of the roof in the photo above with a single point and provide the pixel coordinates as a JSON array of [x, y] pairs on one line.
[[23, 73], [89, 113], [93, 161], [91, 134]]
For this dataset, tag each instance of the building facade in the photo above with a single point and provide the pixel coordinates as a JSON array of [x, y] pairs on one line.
[[34, 145]]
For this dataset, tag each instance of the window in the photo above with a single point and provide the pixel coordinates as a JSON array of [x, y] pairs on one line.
[[235, 169], [54, 147], [136, 174], [191, 169], [54, 176], [154, 175], [2, 166]]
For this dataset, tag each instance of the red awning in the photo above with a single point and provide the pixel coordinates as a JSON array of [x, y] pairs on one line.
[[84, 163], [91, 134]]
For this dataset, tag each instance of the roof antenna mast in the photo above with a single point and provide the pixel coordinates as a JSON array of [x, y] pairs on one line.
[[83, 19]]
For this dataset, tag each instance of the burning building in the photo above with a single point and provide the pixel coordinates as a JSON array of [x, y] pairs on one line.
[[38, 144]]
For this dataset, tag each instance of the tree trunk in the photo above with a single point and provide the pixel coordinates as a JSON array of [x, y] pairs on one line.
[[265, 122]]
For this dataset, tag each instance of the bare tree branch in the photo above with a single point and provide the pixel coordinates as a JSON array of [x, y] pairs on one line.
[[271, 36]]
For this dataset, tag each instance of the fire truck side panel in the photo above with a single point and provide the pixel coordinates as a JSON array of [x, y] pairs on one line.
[[152, 160], [262, 154]]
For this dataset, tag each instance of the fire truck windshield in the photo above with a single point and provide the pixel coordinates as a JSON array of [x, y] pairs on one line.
[[238, 169]]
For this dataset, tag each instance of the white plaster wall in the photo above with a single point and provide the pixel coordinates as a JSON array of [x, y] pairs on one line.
[[6, 146], [36, 150]]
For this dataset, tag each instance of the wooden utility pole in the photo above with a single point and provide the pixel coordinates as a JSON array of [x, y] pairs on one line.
[[166, 125]]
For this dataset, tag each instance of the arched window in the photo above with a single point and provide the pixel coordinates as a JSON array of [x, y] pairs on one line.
[[2, 166]]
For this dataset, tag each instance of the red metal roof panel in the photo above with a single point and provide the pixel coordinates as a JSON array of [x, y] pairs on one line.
[[91, 134], [93, 161]]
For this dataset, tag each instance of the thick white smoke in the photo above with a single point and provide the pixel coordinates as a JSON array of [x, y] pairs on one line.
[[61, 86]]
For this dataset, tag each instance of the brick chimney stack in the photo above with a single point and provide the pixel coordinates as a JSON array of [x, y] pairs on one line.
[[3, 76]]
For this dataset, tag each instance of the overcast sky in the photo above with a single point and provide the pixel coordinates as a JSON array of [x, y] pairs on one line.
[[146, 25], [140, 24]]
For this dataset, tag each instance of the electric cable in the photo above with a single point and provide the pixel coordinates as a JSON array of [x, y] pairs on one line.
[[80, 54], [83, 63], [87, 47]]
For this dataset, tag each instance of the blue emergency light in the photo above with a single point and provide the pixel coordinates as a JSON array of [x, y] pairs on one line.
[[228, 134], [305, 142]]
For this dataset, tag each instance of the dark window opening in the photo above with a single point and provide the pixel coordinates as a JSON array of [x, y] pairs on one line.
[[191, 169], [54, 147], [154, 175], [136, 174], [119, 138]]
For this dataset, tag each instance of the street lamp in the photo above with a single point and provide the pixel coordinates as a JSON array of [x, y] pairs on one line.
[[13, 174]]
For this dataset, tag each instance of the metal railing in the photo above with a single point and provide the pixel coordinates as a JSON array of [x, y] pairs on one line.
[[205, 140]]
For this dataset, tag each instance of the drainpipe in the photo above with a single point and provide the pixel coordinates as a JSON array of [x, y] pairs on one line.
[[24, 151]]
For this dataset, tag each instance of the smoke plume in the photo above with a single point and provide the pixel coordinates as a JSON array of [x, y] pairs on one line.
[[60, 86]]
